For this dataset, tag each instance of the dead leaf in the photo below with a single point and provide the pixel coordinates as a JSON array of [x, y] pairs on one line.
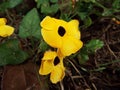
[[21, 77]]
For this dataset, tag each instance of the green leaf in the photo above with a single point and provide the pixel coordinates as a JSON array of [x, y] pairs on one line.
[[29, 26], [9, 4], [83, 58], [13, 3], [93, 1], [84, 9], [65, 17], [3, 6], [47, 9], [40, 2], [94, 45], [10, 53], [53, 1], [116, 4], [82, 15], [87, 22], [54, 8], [43, 46], [108, 12]]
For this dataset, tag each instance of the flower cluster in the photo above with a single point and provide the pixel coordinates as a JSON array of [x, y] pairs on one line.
[[5, 30], [65, 36]]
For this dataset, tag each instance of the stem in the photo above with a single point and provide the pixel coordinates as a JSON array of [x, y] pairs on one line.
[[61, 85]]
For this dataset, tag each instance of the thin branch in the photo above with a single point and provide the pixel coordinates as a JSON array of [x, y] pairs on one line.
[[74, 67], [111, 50], [61, 85]]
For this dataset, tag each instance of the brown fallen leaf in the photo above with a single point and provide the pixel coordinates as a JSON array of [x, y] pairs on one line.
[[21, 77]]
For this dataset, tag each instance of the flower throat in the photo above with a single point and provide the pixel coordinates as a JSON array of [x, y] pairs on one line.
[[56, 61], [61, 31]]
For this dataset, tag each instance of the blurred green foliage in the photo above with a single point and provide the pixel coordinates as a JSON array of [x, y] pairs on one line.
[[90, 48], [11, 53], [29, 26], [9, 4]]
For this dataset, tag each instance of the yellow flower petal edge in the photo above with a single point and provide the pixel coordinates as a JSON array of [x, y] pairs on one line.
[[47, 62], [3, 21], [70, 44], [61, 34], [52, 64], [50, 23], [6, 30], [74, 24], [57, 74], [46, 67]]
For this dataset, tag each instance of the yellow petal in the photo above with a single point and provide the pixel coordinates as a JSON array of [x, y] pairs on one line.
[[52, 38], [47, 62], [6, 30], [73, 29], [70, 45], [48, 23], [60, 54], [49, 55], [57, 74], [3, 21], [46, 67]]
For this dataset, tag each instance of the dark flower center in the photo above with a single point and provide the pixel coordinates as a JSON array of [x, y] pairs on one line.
[[56, 61], [61, 31]]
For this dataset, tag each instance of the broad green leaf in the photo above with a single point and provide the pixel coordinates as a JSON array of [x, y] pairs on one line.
[[90, 1], [53, 1], [9, 4], [10, 53], [43, 46], [29, 26], [4, 6], [13, 3], [83, 58], [94, 45], [116, 4], [40, 2], [108, 12], [65, 17], [93, 1], [84, 9], [88, 49], [87, 22], [54, 8], [46, 8], [82, 15]]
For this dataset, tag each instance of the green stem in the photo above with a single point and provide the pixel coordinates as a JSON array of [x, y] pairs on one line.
[[105, 64], [100, 5]]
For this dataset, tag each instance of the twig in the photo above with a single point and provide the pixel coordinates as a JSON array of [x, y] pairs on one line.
[[94, 86], [74, 77], [71, 78], [111, 50], [7, 13], [74, 67], [105, 64], [78, 73], [61, 85]]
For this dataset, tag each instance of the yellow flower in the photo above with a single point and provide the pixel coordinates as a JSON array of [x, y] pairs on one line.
[[62, 35], [5, 30], [52, 64]]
